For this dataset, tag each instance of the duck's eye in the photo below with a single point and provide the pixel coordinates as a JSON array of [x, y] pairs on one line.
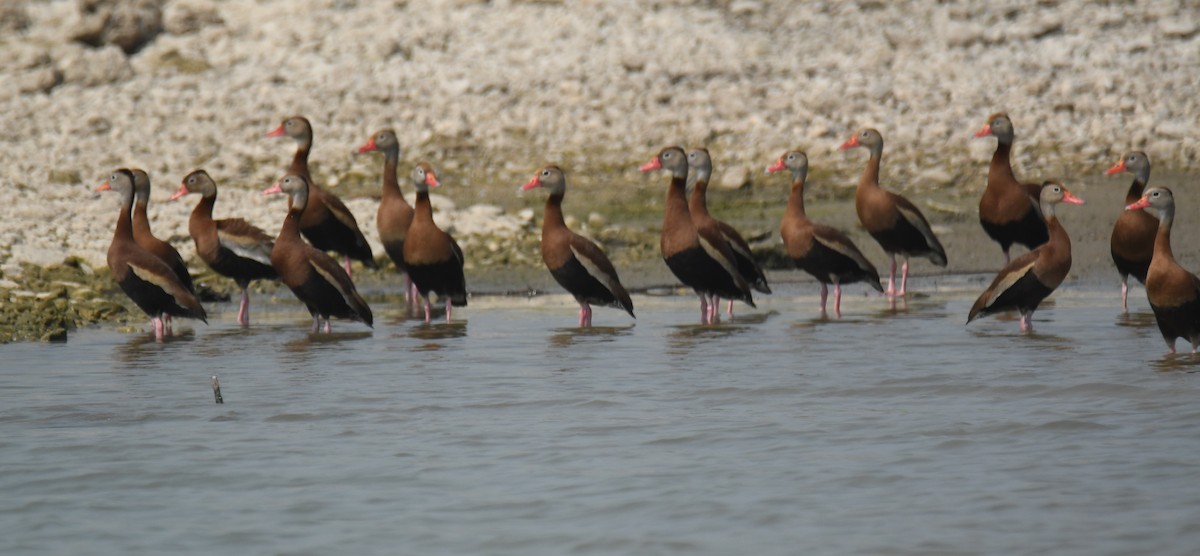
[[191, 181], [791, 157], [865, 134], [545, 173], [667, 154]]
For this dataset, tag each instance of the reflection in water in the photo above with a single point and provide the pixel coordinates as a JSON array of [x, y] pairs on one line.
[[566, 337], [141, 351], [686, 336], [431, 333], [1184, 361], [1141, 319]]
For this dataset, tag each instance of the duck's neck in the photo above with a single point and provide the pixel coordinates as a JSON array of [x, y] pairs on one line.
[[290, 231], [1058, 235], [698, 203], [124, 222], [1162, 241], [870, 175], [202, 214], [795, 204], [1136, 188], [423, 211], [675, 211], [1001, 167], [553, 215], [391, 187], [141, 222], [299, 165]]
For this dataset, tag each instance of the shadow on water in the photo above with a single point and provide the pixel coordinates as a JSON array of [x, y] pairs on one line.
[[567, 337]]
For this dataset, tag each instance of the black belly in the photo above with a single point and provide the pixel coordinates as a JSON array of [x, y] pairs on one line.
[[1029, 231], [240, 269], [573, 277], [1024, 296], [1130, 267], [831, 267], [1181, 321], [697, 270], [445, 279], [324, 300], [395, 252], [152, 299]]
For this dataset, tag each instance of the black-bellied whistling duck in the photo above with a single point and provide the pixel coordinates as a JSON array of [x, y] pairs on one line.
[[1008, 210], [1026, 280], [822, 251], [144, 277], [231, 246], [700, 170], [576, 263], [311, 274], [1132, 242], [702, 261], [892, 220], [395, 214], [145, 238], [1173, 292], [327, 223], [435, 261]]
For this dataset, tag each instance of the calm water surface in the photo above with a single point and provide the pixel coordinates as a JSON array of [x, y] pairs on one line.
[[887, 432]]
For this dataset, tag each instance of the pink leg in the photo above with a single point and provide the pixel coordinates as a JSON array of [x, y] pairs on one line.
[[316, 327], [730, 308], [714, 309], [582, 315], [824, 297], [244, 309], [328, 326], [904, 277], [589, 315], [349, 271], [1125, 294], [408, 291], [428, 311], [449, 309], [891, 289], [158, 328], [837, 300], [166, 322], [1027, 322], [703, 309], [1006, 257]]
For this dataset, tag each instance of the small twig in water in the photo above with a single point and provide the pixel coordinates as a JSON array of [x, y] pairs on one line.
[[216, 384]]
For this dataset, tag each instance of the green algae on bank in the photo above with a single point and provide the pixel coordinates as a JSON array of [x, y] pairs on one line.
[[45, 303]]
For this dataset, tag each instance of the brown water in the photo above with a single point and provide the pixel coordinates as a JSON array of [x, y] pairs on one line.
[[887, 432]]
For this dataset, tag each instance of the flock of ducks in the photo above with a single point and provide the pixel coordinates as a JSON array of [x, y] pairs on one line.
[[705, 254]]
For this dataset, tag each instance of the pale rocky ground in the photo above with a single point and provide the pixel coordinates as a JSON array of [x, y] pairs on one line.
[[489, 90]]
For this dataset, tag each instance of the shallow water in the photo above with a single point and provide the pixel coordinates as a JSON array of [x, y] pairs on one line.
[[510, 432]]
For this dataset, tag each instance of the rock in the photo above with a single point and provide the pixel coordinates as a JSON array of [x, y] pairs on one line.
[[188, 16], [736, 177], [128, 24], [597, 220], [14, 17], [95, 67], [1175, 129], [40, 80]]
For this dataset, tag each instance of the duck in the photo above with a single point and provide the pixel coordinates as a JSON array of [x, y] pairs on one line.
[[149, 281], [822, 251], [144, 237], [327, 223], [232, 247], [1173, 291], [702, 260], [575, 262], [318, 281], [434, 259], [892, 220], [700, 171], [1134, 232], [395, 215], [1008, 209], [1028, 279]]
